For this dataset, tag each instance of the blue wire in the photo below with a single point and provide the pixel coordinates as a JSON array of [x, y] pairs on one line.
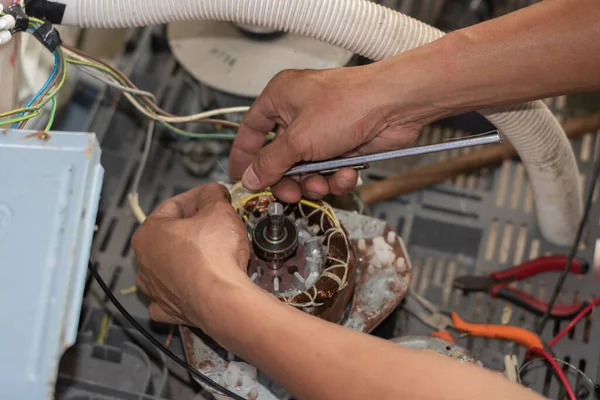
[[39, 93]]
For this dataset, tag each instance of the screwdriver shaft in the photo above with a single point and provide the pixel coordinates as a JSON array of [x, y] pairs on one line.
[[359, 161]]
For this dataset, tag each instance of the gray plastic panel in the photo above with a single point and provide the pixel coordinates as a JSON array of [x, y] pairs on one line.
[[476, 223]]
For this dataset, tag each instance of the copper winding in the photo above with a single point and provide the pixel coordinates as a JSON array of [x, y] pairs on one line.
[[338, 270]]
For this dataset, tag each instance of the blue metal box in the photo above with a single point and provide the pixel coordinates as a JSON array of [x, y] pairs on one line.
[[49, 192]]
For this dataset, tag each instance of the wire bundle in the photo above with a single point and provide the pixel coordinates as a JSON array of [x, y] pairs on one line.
[[145, 102], [47, 94]]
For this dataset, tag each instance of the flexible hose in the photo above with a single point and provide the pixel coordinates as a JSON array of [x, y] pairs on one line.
[[375, 32]]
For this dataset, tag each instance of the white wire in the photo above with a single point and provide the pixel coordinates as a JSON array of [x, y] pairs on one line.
[[115, 85], [207, 114], [133, 197], [144, 157], [162, 118]]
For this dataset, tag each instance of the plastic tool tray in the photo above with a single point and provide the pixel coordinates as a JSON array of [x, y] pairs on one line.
[[476, 223]]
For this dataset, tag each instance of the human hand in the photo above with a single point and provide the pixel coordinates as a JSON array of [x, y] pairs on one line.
[[192, 250], [320, 115]]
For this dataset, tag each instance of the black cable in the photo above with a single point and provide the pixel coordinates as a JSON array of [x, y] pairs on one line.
[[154, 341], [573, 251]]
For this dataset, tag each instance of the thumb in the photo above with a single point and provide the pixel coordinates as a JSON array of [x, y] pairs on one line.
[[212, 194], [276, 158]]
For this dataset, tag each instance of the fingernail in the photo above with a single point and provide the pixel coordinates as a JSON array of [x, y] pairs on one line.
[[250, 179], [314, 196]]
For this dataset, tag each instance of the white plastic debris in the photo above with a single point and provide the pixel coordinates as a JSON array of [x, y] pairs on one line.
[[401, 264], [303, 236], [314, 229], [240, 377], [391, 238], [381, 253], [362, 245]]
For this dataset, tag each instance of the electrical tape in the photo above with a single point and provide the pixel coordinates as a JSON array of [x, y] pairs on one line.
[[47, 10], [48, 36]]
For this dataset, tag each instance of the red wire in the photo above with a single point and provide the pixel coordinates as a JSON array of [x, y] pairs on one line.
[[537, 352], [574, 322]]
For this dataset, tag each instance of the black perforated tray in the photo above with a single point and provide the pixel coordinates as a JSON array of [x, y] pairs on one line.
[[481, 222]]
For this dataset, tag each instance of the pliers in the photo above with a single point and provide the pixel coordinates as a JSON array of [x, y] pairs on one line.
[[441, 321], [496, 284]]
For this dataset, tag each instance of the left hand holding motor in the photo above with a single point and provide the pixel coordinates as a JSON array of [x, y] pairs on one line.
[[192, 250]]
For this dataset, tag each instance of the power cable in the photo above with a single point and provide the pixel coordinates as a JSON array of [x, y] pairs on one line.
[[154, 341], [573, 251]]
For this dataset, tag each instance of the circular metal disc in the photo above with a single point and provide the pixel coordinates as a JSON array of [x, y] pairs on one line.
[[221, 56]]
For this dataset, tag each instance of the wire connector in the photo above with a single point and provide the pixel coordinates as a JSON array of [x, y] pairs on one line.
[[48, 36], [21, 19]]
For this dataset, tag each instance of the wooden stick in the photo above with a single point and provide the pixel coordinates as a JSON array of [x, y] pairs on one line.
[[428, 175]]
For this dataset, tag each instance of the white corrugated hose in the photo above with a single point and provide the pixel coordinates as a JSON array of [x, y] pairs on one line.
[[376, 32]]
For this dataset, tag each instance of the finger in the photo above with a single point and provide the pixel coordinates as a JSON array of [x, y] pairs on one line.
[[140, 284], [212, 194], [276, 158], [280, 129], [181, 206], [159, 315], [343, 181], [287, 190], [315, 186], [257, 122]]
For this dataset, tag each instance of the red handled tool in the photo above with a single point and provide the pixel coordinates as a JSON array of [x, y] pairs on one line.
[[496, 284]]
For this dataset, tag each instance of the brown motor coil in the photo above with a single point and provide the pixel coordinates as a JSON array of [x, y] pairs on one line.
[[326, 299]]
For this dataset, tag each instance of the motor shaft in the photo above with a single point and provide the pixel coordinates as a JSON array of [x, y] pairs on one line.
[[275, 223], [275, 237]]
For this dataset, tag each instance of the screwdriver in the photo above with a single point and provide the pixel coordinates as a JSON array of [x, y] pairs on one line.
[[362, 162]]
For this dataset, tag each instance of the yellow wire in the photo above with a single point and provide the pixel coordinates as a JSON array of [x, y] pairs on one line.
[[303, 202], [103, 328], [23, 118], [254, 196], [33, 19], [46, 99], [321, 207], [60, 83], [129, 290], [92, 65]]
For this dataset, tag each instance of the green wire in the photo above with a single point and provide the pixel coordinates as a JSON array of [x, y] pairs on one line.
[[181, 132], [52, 114], [15, 120], [223, 136], [35, 109]]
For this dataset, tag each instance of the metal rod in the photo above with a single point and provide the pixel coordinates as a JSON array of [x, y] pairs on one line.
[[491, 137]]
